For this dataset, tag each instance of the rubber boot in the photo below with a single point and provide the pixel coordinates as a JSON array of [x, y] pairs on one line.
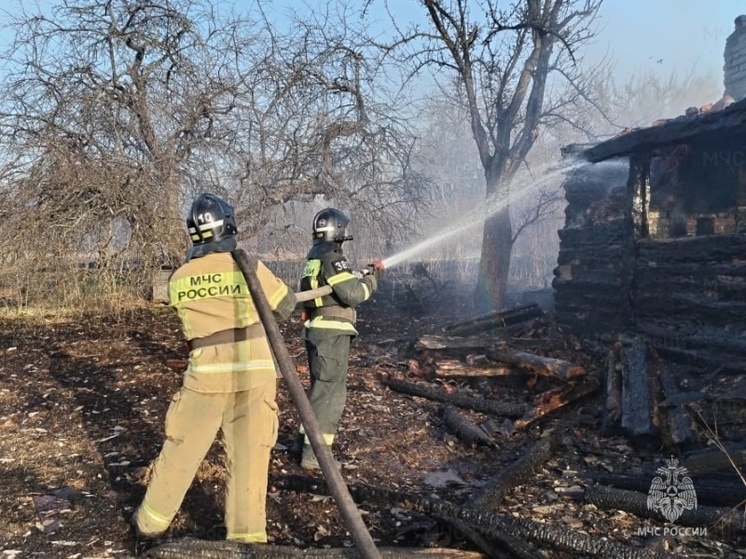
[[309, 461], [142, 542]]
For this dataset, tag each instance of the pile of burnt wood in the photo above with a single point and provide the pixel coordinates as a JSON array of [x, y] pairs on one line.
[[495, 345], [641, 398], [672, 404]]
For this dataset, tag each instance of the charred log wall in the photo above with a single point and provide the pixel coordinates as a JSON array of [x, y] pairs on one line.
[[589, 298], [687, 295]]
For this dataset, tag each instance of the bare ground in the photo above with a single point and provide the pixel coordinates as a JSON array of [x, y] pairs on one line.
[[82, 403]]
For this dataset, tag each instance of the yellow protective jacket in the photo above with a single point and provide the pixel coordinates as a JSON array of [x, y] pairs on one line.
[[210, 295]]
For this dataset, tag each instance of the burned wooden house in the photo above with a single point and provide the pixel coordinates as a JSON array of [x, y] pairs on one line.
[[652, 264]]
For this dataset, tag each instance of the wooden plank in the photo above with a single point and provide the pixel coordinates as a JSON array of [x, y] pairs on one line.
[[545, 366], [637, 399], [554, 400], [677, 425], [613, 403], [457, 368], [436, 342]]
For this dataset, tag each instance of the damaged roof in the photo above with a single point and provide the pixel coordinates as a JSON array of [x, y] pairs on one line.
[[731, 119]]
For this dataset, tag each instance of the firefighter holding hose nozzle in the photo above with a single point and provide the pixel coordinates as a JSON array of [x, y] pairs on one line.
[[329, 323]]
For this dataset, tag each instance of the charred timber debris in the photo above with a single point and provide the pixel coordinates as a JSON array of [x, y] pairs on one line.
[[189, 548], [544, 404], [554, 399], [517, 473], [456, 368], [711, 492], [501, 528], [498, 545], [539, 364], [463, 428], [642, 398], [494, 320], [479, 348], [494, 407], [726, 523]]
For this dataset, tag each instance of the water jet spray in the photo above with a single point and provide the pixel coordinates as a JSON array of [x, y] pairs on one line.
[[492, 205]]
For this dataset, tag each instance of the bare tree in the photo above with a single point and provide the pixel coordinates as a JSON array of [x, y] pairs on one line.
[[447, 156], [114, 114], [106, 103], [516, 70], [322, 127]]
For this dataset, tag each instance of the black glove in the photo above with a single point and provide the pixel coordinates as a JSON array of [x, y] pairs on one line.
[[375, 269]]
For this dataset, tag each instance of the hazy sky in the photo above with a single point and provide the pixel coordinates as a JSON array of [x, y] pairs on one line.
[[667, 35]]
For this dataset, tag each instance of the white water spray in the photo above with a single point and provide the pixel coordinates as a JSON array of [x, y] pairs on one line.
[[492, 205]]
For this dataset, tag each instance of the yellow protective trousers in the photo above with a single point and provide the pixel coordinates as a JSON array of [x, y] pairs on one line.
[[248, 421]]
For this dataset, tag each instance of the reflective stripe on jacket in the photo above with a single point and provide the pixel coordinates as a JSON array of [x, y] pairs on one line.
[[326, 265], [210, 295]]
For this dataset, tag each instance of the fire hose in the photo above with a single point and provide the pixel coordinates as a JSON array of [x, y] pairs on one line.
[[302, 296], [341, 494]]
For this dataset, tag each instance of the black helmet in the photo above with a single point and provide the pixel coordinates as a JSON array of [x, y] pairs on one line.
[[329, 226], [212, 226]]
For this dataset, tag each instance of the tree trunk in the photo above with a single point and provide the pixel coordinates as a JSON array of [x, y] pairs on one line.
[[494, 265]]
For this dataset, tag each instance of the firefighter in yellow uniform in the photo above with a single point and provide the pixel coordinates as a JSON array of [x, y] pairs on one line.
[[330, 325], [229, 384]]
